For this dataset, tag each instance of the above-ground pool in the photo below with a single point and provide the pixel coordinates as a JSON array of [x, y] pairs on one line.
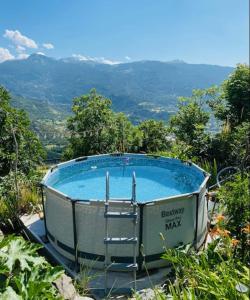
[[170, 195]]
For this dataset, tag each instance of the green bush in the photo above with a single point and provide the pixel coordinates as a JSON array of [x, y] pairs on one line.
[[18, 195], [212, 274], [23, 273], [234, 197]]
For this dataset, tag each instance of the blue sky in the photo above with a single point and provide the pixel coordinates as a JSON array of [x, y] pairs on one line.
[[196, 31]]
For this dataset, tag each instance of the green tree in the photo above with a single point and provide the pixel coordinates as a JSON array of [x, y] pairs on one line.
[[128, 138], [95, 128], [92, 127], [231, 147], [154, 136], [20, 149], [233, 103], [190, 122]]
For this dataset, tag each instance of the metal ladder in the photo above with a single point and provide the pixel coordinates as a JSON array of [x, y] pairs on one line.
[[130, 215]]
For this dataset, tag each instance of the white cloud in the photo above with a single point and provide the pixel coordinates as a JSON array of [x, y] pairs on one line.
[[21, 40], [127, 57], [80, 57], [5, 55], [22, 56], [40, 53], [106, 61], [20, 49], [48, 46], [95, 59]]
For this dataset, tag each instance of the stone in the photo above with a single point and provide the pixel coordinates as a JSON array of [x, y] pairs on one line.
[[147, 294], [67, 290], [83, 298], [65, 287]]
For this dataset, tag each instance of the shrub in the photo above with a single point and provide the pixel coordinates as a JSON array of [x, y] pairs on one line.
[[24, 274], [211, 274], [234, 197]]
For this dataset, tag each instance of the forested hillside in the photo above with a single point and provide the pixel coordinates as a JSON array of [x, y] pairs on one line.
[[140, 89], [44, 87]]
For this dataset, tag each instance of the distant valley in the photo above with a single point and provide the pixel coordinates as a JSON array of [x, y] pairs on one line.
[[45, 87], [140, 89]]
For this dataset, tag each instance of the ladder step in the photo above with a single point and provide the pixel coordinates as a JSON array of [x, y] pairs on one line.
[[121, 215], [122, 240], [121, 199], [122, 267]]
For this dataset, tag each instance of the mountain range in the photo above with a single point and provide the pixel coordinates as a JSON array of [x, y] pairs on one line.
[[144, 89]]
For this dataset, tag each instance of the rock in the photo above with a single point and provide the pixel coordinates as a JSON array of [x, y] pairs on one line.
[[147, 294], [65, 287], [83, 298], [67, 290]]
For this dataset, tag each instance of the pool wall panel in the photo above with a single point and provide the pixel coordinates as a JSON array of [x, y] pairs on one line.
[[167, 224], [59, 221], [202, 217]]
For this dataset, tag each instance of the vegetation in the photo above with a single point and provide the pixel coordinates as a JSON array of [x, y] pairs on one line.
[[214, 273], [154, 136], [218, 272], [20, 153], [94, 128], [24, 274], [232, 105], [18, 144]]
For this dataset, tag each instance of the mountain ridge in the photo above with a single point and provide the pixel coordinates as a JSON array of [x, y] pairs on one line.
[[136, 88]]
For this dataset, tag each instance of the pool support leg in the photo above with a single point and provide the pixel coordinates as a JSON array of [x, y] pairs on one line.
[[196, 221], [44, 214], [140, 244], [73, 202]]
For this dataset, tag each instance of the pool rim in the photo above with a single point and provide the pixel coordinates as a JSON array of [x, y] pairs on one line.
[[119, 154]]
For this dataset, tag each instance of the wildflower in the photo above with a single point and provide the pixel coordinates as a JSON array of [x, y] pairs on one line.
[[225, 233], [215, 231], [234, 242], [246, 229], [220, 218]]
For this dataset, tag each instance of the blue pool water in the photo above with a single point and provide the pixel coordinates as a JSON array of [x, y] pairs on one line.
[[152, 182]]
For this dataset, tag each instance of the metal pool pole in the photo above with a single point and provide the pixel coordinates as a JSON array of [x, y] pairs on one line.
[[135, 220], [106, 231], [73, 202], [44, 215]]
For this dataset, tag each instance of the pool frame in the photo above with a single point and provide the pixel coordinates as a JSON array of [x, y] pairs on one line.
[[68, 239]]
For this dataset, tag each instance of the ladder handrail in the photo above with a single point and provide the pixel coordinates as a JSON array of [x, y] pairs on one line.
[[135, 222], [134, 205], [107, 186], [133, 188]]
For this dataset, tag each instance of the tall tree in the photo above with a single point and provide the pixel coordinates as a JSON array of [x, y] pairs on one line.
[[128, 138], [92, 127], [233, 103], [154, 136], [190, 122], [20, 149]]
